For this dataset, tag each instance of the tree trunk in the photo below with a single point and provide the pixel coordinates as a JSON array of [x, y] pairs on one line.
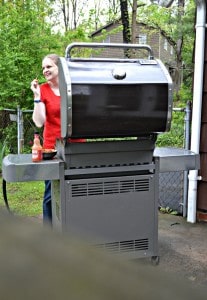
[[125, 24], [178, 75], [134, 21], [125, 21], [65, 11]]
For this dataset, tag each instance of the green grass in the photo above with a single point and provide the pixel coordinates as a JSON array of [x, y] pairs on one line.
[[24, 198]]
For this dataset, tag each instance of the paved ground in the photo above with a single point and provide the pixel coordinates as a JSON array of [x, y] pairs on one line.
[[35, 261], [182, 248]]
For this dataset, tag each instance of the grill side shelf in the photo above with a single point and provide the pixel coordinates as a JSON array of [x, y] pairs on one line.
[[19, 167]]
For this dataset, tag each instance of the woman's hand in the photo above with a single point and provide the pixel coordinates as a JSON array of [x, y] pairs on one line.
[[35, 88]]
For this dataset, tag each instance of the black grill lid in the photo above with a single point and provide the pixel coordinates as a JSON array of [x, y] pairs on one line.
[[114, 97]]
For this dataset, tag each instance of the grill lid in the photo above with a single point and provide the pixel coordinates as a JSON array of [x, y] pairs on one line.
[[113, 97]]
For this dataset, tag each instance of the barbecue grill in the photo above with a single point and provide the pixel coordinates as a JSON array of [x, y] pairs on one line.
[[109, 188], [106, 190]]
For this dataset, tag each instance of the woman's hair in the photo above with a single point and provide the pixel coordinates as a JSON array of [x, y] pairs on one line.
[[53, 57]]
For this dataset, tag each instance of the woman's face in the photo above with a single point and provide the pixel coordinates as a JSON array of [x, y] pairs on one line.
[[49, 69]]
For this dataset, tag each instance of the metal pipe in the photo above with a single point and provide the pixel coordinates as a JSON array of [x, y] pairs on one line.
[[20, 130], [108, 45], [187, 147], [187, 125], [197, 104]]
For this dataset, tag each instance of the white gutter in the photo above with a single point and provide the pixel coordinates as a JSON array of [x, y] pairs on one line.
[[197, 104]]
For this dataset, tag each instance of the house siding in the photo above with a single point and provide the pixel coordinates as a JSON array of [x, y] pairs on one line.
[[202, 185], [154, 39]]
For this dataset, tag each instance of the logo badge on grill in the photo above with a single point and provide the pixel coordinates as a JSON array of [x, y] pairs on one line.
[[119, 73]]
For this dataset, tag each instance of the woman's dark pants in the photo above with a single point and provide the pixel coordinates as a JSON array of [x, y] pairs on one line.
[[47, 203]]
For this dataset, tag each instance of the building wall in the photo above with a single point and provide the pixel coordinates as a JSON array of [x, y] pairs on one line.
[[160, 47], [202, 185]]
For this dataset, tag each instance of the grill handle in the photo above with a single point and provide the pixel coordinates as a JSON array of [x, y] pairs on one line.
[[108, 45]]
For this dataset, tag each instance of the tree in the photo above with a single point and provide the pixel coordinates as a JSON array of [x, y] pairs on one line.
[[170, 20], [135, 7], [25, 38], [177, 25], [179, 44], [113, 10], [71, 10], [134, 21], [74, 13]]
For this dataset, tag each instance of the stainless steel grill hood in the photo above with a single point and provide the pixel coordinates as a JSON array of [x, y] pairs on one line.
[[114, 97]]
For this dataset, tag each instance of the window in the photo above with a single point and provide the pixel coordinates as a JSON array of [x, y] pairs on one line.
[[142, 39], [165, 44], [107, 39]]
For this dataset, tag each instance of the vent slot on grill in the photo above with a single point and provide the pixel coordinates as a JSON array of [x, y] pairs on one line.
[[126, 246], [109, 187]]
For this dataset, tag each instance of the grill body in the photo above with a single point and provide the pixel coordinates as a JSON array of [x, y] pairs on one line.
[[115, 210]]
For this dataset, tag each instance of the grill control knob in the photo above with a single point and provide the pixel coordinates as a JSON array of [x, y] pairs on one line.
[[119, 73]]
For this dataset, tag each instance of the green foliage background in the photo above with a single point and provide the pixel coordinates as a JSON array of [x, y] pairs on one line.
[[26, 37]]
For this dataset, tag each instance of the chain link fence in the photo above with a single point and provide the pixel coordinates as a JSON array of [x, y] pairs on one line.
[[173, 186], [17, 130]]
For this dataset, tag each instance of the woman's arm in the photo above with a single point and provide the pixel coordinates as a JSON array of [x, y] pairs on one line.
[[39, 114]]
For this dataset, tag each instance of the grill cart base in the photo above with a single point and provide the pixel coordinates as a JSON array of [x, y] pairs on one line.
[[114, 207]]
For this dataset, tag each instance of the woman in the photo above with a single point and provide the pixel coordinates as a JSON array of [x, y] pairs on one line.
[[47, 112]]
